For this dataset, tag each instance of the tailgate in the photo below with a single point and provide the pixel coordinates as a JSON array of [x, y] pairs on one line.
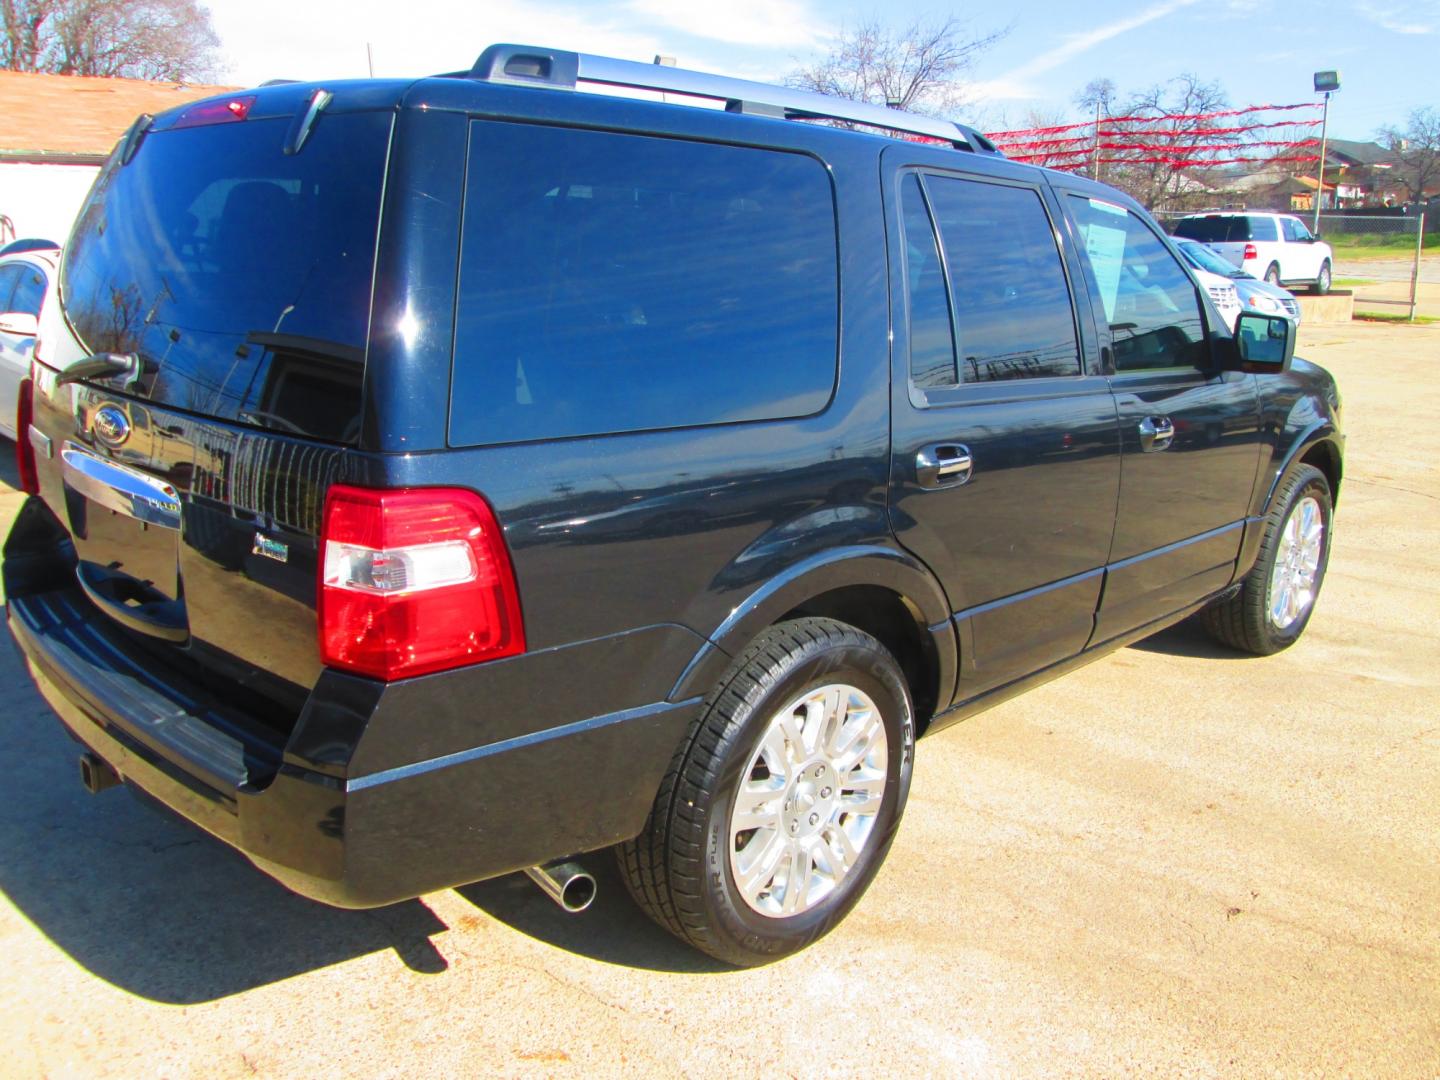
[[230, 276]]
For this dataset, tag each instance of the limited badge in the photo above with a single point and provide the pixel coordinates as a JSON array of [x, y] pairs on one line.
[[271, 549]]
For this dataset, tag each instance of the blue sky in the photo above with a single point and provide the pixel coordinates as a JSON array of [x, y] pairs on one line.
[[1261, 51]]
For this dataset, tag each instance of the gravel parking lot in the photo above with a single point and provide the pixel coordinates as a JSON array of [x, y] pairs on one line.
[[1174, 862]]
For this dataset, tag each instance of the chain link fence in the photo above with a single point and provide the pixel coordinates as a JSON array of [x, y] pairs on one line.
[[1377, 256]]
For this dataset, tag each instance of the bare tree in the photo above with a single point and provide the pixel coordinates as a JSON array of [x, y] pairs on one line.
[[920, 68], [1098, 95], [1166, 137], [169, 40], [1417, 152]]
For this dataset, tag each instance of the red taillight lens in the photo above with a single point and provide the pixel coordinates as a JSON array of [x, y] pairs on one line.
[[414, 581], [24, 448], [1250, 252], [216, 112]]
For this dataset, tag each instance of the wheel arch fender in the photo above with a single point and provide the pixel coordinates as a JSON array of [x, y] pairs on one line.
[[809, 585], [1317, 444]]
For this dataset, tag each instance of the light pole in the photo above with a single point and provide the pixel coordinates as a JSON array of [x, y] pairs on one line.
[[1326, 82]]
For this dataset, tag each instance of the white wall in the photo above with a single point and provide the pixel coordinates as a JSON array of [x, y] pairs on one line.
[[42, 200]]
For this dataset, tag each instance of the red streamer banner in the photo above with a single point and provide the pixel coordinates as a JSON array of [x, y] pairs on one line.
[[1178, 140]]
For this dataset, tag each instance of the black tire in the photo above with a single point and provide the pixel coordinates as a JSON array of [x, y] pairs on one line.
[[1243, 620], [679, 868], [1322, 283], [1272, 273]]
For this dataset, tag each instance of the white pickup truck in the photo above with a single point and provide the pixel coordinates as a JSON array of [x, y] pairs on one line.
[[1276, 247]]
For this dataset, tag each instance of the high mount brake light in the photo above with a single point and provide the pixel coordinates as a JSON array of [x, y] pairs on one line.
[[413, 581], [24, 448], [227, 111]]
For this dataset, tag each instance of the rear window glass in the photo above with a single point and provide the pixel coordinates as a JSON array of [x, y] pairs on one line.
[[1226, 228], [616, 282], [239, 275]]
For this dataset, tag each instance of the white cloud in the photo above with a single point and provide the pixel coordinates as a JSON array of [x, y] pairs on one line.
[[1014, 84], [776, 24], [1416, 17], [264, 39]]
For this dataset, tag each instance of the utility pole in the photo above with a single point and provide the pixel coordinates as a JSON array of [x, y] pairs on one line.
[[1326, 82], [1095, 150]]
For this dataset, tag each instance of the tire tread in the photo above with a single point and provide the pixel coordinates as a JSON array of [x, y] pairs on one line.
[[663, 867]]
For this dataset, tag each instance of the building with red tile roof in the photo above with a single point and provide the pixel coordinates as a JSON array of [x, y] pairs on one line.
[[56, 131]]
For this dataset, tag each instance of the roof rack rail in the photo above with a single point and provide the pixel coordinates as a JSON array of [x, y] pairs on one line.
[[525, 65]]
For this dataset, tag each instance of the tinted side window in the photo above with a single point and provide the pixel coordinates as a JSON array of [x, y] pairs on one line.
[[621, 282], [1295, 231], [30, 292], [1149, 300], [932, 336], [1205, 229], [1261, 228], [1012, 302]]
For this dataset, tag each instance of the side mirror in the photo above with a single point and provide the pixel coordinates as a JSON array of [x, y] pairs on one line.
[[19, 323], [1266, 343]]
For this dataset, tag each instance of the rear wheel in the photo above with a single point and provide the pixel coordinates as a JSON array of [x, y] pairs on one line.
[[1322, 283], [1274, 603], [1272, 273], [777, 814]]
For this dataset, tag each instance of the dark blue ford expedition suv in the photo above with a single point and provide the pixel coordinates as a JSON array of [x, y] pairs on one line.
[[437, 479]]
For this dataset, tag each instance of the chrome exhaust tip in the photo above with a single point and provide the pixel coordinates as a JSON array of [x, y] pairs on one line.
[[566, 883]]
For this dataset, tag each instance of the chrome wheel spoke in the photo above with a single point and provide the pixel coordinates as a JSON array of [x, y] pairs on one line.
[[797, 880], [1296, 571], [807, 802], [840, 851], [755, 873], [863, 795], [757, 807]]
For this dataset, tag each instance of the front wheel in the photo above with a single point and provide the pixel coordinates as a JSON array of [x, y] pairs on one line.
[[777, 814], [1274, 603], [1322, 282]]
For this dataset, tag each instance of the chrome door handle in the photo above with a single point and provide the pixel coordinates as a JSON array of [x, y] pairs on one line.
[[943, 465], [1156, 433]]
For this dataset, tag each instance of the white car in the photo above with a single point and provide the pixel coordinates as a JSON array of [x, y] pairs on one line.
[[1255, 295], [1222, 292], [27, 285], [1275, 247]]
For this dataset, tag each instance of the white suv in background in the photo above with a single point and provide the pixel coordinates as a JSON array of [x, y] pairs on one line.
[[1276, 247]]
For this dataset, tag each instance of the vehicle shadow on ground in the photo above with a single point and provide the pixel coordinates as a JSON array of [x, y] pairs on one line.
[[1188, 638], [612, 929], [156, 907], [146, 901]]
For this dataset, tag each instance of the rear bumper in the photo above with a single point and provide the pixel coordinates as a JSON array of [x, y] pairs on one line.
[[399, 830]]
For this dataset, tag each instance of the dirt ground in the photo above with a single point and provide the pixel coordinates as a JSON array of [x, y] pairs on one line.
[[1176, 862]]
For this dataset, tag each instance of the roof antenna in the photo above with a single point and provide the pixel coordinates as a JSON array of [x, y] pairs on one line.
[[370, 58]]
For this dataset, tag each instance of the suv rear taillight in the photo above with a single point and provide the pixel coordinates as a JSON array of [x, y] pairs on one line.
[[24, 448], [413, 581], [1250, 252]]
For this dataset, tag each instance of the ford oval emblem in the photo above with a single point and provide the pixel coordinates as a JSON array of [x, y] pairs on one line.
[[111, 425]]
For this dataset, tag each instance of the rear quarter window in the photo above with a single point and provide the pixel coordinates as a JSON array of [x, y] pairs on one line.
[[613, 282]]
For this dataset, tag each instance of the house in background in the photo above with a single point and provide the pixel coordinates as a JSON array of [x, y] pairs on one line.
[[55, 133], [1359, 171]]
